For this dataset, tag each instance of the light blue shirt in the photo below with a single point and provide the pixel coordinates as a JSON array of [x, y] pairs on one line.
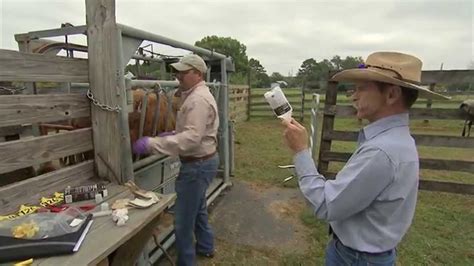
[[371, 203]]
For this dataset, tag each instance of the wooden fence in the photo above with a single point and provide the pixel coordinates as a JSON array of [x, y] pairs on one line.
[[238, 102], [18, 110]]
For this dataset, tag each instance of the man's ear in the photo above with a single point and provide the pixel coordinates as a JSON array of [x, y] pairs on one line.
[[394, 94]]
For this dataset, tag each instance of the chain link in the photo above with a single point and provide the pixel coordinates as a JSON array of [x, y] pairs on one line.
[[100, 105]]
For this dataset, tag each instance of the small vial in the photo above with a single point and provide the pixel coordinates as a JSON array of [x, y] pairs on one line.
[[278, 102], [98, 198], [104, 206]]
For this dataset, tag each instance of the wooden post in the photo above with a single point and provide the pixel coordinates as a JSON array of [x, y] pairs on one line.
[[302, 103], [429, 102], [104, 78], [328, 125], [249, 95]]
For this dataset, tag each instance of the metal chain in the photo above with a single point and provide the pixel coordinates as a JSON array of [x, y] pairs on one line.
[[100, 105]]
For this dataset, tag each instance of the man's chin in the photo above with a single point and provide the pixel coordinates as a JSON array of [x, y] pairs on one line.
[[359, 115]]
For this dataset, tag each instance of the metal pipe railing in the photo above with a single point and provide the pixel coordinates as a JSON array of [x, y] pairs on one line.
[[224, 122], [51, 33], [162, 83], [149, 160], [314, 125], [141, 34], [147, 58]]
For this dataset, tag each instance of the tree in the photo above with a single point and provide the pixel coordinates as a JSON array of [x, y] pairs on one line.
[[275, 76], [307, 71], [258, 74], [312, 73], [351, 62], [336, 62], [227, 46]]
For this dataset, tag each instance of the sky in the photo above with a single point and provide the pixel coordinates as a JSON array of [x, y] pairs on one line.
[[281, 34]]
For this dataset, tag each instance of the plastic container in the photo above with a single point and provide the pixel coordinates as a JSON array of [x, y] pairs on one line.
[[278, 102]]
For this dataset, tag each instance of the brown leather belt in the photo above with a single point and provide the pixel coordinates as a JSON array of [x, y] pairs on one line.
[[189, 159]]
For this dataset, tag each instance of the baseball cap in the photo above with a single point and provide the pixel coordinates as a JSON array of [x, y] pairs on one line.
[[190, 61]]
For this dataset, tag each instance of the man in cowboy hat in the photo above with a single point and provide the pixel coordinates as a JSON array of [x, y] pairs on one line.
[[371, 203], [195, 142]]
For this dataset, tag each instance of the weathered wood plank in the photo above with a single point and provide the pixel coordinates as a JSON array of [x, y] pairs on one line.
[[237, 117], [24, 109], [242, 104], [238, 98], [447, 165], [236, 109], [332, 156], [27, 152], [105, 80], [328, 125], [262, 115], [105, 237], [260, 104], [444, 141], [31, 190], [11, 130], [421, 140], [446, 187], [241, 93], [17, 66], [434, 164], [447, 76], [436, 113], [432, 185], [238, 87], [415, 113]]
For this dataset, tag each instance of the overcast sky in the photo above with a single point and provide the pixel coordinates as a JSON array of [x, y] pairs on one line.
[[280, 34]]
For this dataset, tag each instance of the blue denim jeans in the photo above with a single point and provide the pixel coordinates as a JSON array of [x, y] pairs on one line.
[[191, 218], [339, 255]]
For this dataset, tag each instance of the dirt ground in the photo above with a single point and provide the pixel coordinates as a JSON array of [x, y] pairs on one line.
[[250, 218]]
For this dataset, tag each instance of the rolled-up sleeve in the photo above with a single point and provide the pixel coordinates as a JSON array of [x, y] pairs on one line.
[[364, 176], [190, 137]]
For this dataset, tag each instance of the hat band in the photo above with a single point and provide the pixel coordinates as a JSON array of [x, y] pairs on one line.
[[398, 75]]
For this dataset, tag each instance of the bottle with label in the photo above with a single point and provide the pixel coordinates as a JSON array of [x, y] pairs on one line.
[[278, 102]]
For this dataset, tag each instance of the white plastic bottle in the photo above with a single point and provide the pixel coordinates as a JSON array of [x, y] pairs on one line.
[[278, 102]]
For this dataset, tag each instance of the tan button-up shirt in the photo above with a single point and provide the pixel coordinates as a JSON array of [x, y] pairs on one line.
[[196, 126]]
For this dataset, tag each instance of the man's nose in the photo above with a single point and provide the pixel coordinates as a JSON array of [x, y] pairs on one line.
[[353, 97]]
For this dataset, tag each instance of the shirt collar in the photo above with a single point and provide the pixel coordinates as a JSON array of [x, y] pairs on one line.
[[384, 124], [185, 93]]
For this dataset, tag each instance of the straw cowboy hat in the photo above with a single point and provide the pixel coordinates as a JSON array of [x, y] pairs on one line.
[[390, 67]]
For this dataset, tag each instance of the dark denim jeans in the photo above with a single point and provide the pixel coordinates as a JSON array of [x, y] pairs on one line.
[[191, 218], [340, 255]]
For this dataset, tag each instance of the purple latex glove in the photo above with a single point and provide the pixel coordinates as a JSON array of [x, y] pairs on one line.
[[140, 146], [168, 133]]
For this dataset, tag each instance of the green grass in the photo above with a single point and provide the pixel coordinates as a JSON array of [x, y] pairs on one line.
[[443, 229]]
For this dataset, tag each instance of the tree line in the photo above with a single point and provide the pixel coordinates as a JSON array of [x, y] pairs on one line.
[[312, 74]]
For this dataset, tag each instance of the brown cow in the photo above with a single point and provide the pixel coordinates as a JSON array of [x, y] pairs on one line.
[[166, 122]]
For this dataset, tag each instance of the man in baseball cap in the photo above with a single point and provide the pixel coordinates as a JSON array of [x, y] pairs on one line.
[[371, 203], [195, 142]]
